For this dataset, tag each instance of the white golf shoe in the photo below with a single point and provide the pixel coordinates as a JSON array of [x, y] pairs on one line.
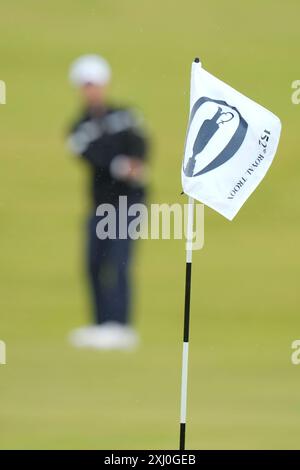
[[109, 336]]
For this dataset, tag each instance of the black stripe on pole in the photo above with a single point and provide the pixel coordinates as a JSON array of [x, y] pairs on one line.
[[187, 301], [182, 437]]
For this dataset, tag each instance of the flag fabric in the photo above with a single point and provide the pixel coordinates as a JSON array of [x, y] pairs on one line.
[[230, 144]]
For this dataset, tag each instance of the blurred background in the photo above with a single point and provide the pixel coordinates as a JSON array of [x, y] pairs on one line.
[[243, 389]]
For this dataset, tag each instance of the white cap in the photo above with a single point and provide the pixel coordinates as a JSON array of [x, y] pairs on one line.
[[90, 69]]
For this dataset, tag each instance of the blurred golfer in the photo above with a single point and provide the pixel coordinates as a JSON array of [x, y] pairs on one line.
[[111, 142]]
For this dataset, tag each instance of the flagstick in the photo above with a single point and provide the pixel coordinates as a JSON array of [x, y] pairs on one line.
[[186, 329]]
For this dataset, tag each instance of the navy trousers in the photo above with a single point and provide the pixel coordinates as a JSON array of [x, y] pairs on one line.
[[108, 269]]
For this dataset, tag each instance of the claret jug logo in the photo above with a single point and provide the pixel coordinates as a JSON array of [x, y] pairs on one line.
[[219, 137]]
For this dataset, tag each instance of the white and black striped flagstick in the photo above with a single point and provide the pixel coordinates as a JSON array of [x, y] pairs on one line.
[[186, 327]]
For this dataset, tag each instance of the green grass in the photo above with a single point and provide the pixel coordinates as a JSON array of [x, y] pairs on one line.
[[244, 392]]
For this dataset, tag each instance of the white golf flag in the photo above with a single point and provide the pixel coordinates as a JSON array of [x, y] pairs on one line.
[[230, 144]]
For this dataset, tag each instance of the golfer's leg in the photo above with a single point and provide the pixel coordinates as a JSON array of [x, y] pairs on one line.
[[121, 290], [95, 255]]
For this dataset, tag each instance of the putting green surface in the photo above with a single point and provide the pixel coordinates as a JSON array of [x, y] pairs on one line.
[[243, 389]]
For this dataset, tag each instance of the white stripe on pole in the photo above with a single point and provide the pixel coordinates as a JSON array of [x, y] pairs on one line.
[[190, 233], [184, 381]]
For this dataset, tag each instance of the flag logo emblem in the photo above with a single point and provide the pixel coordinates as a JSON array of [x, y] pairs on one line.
[[220, 135]]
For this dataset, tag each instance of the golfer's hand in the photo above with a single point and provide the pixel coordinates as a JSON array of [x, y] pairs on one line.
[[129, 169]]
